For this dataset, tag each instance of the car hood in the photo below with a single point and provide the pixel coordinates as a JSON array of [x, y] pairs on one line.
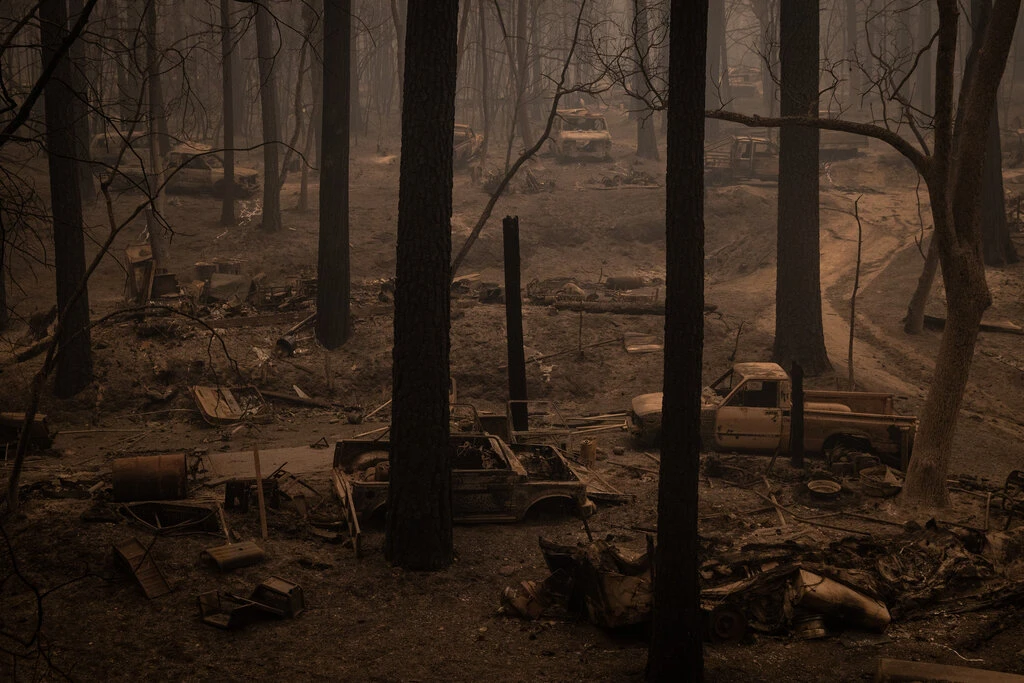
[[647, 405]]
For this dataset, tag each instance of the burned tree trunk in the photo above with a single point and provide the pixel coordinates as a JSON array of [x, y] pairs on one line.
[[400, 26], [5, 314], [646, 140], [81, 112], [159, 146], [333, 325], [74, 360], [925, 94], [227, 209], [676, 649], [271, 132], [485, 77], [522, 71], [799, 334], [996, 244], [419, 518]]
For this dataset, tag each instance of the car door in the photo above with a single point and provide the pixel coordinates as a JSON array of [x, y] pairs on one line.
[[750, 418]]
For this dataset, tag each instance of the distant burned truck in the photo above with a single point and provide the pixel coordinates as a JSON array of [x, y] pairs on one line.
[[580, 134], [748, 410]]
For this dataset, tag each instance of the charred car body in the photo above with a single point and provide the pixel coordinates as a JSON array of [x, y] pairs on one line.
[[748, 410], [491, 480], [191, 167], [580, 134], [466, 145]]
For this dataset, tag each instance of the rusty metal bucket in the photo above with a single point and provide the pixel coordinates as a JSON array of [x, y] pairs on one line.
[[154, 477]]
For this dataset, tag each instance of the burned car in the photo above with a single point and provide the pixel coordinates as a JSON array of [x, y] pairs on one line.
[[197, 169], [191, 167], [491, 481], [466, 145], [580, 134]]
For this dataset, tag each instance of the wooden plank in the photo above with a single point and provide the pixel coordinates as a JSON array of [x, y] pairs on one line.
[[929, 672]]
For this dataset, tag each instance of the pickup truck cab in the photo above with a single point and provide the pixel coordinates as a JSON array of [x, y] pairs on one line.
[[748, 410]]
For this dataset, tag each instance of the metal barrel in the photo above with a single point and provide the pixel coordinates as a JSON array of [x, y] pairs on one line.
[[153, 477]]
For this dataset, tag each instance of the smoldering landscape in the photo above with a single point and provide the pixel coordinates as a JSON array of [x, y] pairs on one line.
[[109, 574]]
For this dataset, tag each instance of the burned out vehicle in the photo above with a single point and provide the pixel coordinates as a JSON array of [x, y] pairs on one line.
[[190, 167], [580, 134], [491, 481], [741, 157], [466, 145], [748, 410], [196, 169]]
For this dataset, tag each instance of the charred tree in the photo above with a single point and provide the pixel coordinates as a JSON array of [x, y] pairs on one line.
[[333, 324], [522, 53], [80, 83], [924, 90], [74, 359], [799, 334], [5, 314], [997, 246], [399, 18], [268, 109], [485, 77], [646, 139], [227, 209], [159, 145], [676, 649], [419, 517]]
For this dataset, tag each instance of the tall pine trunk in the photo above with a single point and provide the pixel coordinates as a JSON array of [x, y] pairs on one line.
[[74, 360], [333, 325], [271, 131], [646, 139], [419, 518], [227, 209], [676, 649], [799, 333]]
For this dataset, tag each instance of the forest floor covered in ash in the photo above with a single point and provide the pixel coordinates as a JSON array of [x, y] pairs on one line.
[[365, 620]]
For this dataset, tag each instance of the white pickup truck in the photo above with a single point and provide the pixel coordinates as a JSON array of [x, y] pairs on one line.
[[747, 410]]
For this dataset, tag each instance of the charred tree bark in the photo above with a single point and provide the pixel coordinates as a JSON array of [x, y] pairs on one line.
[[157, 119], [227, 208], [5, 313], [74, 362], [796, 429], [799, 334], [159, 145], [646, 138], [333, 322], [80, 84], [485, 77], [676, 649], [271, 131], [716, 36], [419, 518], [925, 89], [914, 322], [997, 247], [400, 26], [522, 73], [853, 62]]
